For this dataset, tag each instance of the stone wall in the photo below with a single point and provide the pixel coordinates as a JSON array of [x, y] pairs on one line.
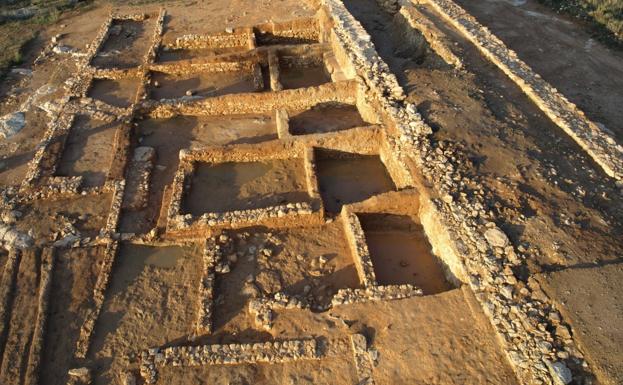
[[43, 305], [233, 354], [536, 353], [598, 143]]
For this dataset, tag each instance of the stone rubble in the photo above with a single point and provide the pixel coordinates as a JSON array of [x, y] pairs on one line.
[[525, 329], [232, 354]]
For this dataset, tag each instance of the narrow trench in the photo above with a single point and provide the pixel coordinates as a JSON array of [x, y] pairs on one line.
[[400, 46]]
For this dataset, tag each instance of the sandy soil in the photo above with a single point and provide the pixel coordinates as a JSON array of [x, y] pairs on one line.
[[554, 202], [325, 118], [235, 186], [585, 71]]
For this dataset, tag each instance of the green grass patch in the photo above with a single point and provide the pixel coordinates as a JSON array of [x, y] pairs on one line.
[[13, 37], [16, 33]]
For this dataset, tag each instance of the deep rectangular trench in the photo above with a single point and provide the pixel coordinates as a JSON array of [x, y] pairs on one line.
[[348, 178], [232, 186], [401, 252], [294, 76], [326, 117]]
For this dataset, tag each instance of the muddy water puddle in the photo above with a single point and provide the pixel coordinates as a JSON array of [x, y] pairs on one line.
[[347, 178], [326, 117], [299, 77], [168, 86], [88, 151], [401, 253], [118, 93], [243, 185]]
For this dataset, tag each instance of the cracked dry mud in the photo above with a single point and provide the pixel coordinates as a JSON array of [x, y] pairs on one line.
[[318, 192]]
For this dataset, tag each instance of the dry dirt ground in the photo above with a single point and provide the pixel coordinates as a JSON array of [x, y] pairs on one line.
[[190, 205]]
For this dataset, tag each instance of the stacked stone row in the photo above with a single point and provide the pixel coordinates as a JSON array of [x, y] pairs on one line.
[[252, 103], [363, 363], [211, 257], [232, 354], [230, 40], [359, 248], [99, 291], [537, 354], [375, 293], [598, 143], [262, 308]]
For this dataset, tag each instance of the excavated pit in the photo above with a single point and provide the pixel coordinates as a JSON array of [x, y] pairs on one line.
[[243, 185], [126, 44], [88, 150], [168, 86], [118, 93], [323, 118], [254, 214], [347, 178], [401, 252], [292, 76]]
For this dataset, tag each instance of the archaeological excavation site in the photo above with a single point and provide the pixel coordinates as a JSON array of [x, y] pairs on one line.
[[347, 192]]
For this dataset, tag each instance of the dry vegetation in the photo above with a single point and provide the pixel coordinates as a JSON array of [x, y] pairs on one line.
[[604, 17]]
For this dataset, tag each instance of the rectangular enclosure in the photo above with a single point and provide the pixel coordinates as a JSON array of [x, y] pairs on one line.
[[401, 252], [296, 72], [348, 178], [126, 45], [200, 84], [243, 185], [118, 93], [326, 117], [88, 150]]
